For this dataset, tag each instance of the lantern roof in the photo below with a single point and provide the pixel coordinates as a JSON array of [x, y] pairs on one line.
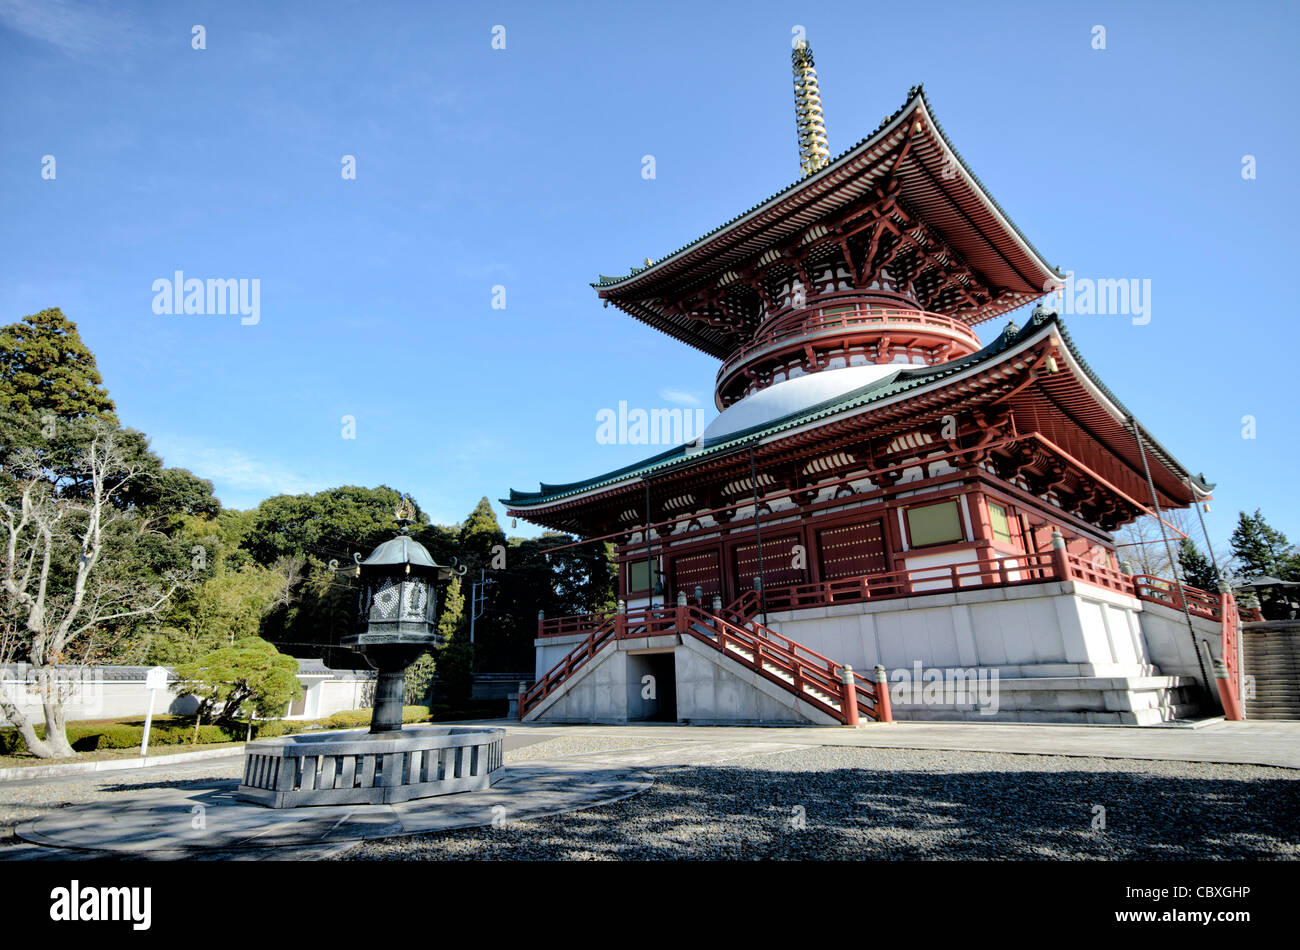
[[404, 549]]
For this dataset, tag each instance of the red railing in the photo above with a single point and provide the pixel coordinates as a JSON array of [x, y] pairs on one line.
[[1157, 590], [745, 608], [736, 623], [812, 677], [567, 626], [995, 572], [809, 675], [1099, 575], [577, 658], [798, 325], [1230, 684]]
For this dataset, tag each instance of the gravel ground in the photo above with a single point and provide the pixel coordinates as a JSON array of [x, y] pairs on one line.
[[856, 804], [852, 804]]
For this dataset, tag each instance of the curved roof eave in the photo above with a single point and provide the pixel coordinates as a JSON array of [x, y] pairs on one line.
[[901, 385], [916, 98]]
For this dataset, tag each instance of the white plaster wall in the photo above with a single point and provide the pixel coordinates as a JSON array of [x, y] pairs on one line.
[[918, 562], [338, 695], [552, 650], [707, 691], [1169, 642], [1042, 629], [117, 699], [598, 694], [103, 700]]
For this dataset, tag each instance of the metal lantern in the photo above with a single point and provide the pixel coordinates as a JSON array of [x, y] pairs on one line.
[[396, 616]]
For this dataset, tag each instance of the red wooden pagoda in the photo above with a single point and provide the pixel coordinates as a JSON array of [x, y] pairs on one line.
[[879, 484]]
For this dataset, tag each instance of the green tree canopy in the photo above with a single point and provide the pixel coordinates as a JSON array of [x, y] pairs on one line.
[[332, 524], [1197, 569], [45, 368], [250, 671], [1260, 549]]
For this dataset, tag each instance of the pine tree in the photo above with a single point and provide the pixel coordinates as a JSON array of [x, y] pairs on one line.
[[452, 612], [45, 368], [1197, 570], [1260, 549], [480, 533]]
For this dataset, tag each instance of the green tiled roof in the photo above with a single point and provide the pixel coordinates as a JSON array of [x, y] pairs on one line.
[[906, 378]]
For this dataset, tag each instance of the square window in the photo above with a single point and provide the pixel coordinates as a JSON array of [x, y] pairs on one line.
[[637, 573], [934, 524], [998, 520]]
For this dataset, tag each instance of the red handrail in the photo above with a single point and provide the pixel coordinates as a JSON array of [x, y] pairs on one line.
[[1157, 590], [737, 624], [577, 623], [995, 572], [811, 676], [1229, 684], [772, 653], [574, 660], [796, 325]]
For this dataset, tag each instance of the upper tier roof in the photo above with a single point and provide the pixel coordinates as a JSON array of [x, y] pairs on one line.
[[935, 185]]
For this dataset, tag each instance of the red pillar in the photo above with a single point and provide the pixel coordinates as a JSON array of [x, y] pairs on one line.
[[884, 712], [1227, 696], [849, 696]]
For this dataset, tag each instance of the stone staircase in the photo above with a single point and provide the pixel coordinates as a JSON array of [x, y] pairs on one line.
[[1271, 655], [746, 657]]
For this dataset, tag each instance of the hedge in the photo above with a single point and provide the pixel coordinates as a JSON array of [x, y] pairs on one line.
[[90, 737]]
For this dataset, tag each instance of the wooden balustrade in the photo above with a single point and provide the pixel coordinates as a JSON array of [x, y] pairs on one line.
[[1230, 680], [799, 325], [569, 626], [1157, 590]]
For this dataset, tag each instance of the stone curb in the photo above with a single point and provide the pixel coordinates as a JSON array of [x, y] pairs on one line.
[[21, 772]]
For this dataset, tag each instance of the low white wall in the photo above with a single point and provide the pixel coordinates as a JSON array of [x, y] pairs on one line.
[[1170, 642], [1049, 629], [333, 696], [93, 697], [98, 694]]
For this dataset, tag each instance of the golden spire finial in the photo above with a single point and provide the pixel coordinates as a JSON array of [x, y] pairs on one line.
[[814, 152]]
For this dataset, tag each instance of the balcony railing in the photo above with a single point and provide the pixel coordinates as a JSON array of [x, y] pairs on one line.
[[802, 324]]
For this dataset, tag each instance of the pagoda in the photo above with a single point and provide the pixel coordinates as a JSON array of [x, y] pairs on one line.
[[881, 490]]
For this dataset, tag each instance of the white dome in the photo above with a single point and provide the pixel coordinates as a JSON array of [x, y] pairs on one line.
[[793, 395]]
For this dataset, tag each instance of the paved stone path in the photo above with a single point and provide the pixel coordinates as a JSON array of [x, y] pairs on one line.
[[163, 822]]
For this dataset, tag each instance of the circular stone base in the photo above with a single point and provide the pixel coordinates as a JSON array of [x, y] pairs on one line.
[[360, 768], [213, 817]]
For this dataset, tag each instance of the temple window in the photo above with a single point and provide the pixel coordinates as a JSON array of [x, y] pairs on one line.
[[999, 522], [934, 524], [638, 571]]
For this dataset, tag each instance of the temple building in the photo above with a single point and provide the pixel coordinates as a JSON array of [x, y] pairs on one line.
[[880, 488]]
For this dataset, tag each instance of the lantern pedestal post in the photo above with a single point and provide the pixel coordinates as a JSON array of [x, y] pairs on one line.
[[396, 625]]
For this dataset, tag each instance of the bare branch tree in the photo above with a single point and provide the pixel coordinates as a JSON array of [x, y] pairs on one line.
[[59, 620]]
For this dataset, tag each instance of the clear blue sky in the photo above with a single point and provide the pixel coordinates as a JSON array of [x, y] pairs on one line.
[[522, 168]]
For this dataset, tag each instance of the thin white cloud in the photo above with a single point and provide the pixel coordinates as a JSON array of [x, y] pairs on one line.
[[679, 397], [240, 480], [75, 28]]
